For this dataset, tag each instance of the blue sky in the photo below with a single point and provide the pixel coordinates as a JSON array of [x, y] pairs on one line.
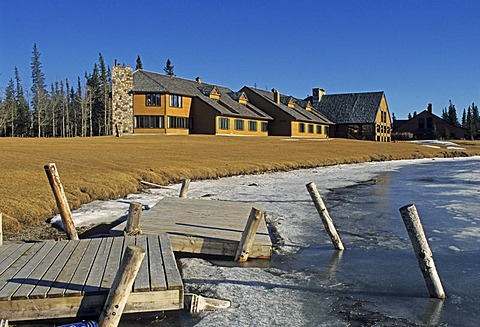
[[415, 51]]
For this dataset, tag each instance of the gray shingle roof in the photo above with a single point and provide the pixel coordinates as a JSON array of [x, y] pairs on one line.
[[298, 112], [351, 108], [144, 81]]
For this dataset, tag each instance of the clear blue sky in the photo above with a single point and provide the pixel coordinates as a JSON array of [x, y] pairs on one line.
[[415, 51]]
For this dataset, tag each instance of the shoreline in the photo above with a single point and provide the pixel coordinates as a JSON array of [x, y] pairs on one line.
[[95, 175]]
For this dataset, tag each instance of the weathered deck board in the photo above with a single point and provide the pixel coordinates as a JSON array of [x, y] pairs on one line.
[[51, 279], [203, 226]]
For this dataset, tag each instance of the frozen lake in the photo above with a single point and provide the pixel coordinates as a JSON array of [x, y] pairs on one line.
[[376, 280]]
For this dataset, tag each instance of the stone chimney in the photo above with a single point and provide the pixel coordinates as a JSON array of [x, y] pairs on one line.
[[276, 96], [198, 79], [429, 108], [317, 94], [122, 99]]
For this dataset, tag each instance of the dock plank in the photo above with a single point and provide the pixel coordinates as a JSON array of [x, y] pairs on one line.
[[157, 274], [38, 272], [174, 280], [20, 276], [113, 263], [142, 282], [13, 255]]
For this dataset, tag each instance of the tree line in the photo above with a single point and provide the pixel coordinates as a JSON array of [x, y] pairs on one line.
[[60, 109]]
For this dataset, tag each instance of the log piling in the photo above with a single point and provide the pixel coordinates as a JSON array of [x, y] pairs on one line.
[[184, 188], [248, 235], [133, 219]]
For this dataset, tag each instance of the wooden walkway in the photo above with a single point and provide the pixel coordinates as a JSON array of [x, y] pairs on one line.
[[203, 226], [56, 279]]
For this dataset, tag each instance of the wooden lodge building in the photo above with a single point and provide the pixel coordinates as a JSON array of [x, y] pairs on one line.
[[362, 116], [145, 102], [427, 126]]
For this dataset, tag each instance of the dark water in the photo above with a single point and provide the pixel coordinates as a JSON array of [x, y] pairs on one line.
[[376, 281]]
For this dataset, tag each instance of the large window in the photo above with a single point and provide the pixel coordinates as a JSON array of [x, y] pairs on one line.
[[301, 128], [149, 122], [252, 126], [421, 123], [178, 122], [319, 129], [152, 100], [310, 128], [264, 126], [239, 125], [175, 100], [223, 123]]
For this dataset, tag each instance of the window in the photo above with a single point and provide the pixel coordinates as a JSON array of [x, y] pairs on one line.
[[178, 122], [152, 100], [149, 122], [326, 130], [310, 128], [319, 129], [175, 100], [429, 122], [301, 128], [223, 123], [239, 125], [252, 126], [264, 126], [421, 123]]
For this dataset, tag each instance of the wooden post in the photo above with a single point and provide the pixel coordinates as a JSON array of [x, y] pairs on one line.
[[424, 255], [133, 220], [1, 229], [184, 189], [61, 199], [248, 235], [325, 216], [121, 287]]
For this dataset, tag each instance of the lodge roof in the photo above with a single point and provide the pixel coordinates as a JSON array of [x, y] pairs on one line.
[[297, 112], [145, 81], [350, 108]]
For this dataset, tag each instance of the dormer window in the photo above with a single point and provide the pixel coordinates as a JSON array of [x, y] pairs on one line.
[[175, 100]]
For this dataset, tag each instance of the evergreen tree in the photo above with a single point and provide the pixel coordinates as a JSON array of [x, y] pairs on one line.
[[9, 110], [104, 98], [168, 68], [464, 119], [139, 64], [39, 92], [475, 119], [414, 114], [23, 117], [445, 114], [94, 102], [409, 116], [469, 124], [452, 114], [393, 116]]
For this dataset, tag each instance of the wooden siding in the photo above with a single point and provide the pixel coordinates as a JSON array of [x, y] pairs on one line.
[[383, 131], [203, 118], [295, 127], [232, 131]]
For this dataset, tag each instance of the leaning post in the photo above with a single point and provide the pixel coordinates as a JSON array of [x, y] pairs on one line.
[[133, 219], [184, 189], [248, 235], [325, 216], [121, 287], [61, 199], [424, 255]]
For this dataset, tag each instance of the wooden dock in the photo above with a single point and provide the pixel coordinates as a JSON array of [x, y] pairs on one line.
[[203, 226], [59, 279]]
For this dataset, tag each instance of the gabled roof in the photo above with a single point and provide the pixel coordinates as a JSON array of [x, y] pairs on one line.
[[297, 112], [350, 108], [144, 82]]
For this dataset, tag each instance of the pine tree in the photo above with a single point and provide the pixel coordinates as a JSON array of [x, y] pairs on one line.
[[475, 120], [9, 110], [23, 117], [464, 119], [94, 101], [393, 116], [139, 64], [104, 97], [409, 116], [470, 125], [452, 114], [169, 68], [39, 92]]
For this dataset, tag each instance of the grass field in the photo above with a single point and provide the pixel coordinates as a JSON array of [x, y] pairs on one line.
[[109, 167]]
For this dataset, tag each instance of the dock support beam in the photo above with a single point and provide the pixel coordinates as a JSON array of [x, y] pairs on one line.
[[184, 189], [133, 220], [248, 235], [424, 255], [61, 199], [325, 216], [121, 287]]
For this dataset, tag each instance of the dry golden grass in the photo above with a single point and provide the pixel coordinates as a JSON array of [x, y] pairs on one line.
[[109, 167]]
